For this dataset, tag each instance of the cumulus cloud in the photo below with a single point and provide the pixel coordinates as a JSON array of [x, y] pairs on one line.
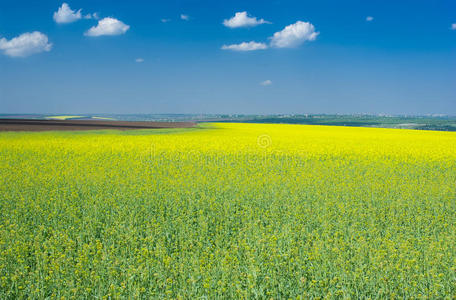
[[185, 17], [25, 44], [165, 20], [139, 60], [108, 26], [294, 35], [369, 18], [245, 46], [453, 26], [241, 19], [266, 82], [92, 16], [66, 15]]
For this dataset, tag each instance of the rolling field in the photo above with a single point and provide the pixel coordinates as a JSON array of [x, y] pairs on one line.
[[79, 125], [228, 211]]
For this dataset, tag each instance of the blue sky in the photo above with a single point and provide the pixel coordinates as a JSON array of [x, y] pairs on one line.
[[402, 60]]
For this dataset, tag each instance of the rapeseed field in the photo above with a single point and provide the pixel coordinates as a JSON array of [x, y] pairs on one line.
[[240, 211]]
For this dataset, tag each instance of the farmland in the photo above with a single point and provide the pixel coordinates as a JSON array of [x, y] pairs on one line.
[[228, 211], [429, 122], [78, 125]]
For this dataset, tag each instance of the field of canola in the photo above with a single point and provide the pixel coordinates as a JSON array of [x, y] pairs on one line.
[[228, 211]]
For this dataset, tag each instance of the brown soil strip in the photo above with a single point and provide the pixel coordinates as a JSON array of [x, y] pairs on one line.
[[47, 125]]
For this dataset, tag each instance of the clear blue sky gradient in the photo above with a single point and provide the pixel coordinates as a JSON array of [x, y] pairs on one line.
[[403, 62]]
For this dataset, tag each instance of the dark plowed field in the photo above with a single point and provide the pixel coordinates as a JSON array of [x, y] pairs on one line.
[[47, 125]]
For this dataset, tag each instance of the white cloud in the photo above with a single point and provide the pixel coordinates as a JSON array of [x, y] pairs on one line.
[[165, 20], [266, 82], [369, 18], [294, 35], [139, 60], [108, 26], [185, 17], [66, 15], [91, 16], [241, 19], [453, 26], [26, 44], [245, 46]]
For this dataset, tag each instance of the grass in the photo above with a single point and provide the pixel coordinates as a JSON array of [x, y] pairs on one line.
[[228, 211], [102, 118], [77, 117], [64, 117], [443, 123]]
